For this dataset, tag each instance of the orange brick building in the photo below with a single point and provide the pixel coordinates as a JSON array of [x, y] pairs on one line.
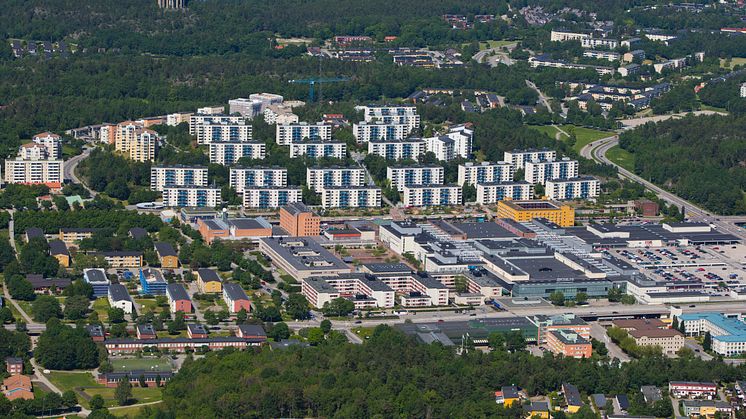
[[568, 343], [298, 220]]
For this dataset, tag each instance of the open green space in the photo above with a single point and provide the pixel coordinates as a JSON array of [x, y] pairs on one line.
[[733, 62], [493, 43], [550, 130], [142, 395], [621, 157], [70, 380], [363, 332], [128, 411], [101, 306], [83, 381], [26, 306], [584, 136], [142, 364]]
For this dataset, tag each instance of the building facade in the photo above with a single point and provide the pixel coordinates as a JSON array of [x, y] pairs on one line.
[[249, 177], [431, 195], [542, 171], [518, 158], [178, 175], [401, 176], [191, 196], [213, 131], [299, 221], [228, 153], [318, 178], [489, 193], [406, 149], [34, 172], [286, 134], [392, 114], [271, 197], [316, 149], [485, 172], [379, 130], [351, 197], [583, 187]]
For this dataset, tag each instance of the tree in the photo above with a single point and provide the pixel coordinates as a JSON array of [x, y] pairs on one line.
[[279, 331], [297, 307], [338, 307], [615, 294], [496, 341], [46, 307], [123, 393], [76, 307], [685, 352], [6, 316], [326, 325], [69, 399], [241, 316], [62, 347], [557, 298], [96, 402], [514, 341], [315, 336], [141, 380], [116, 315], [707, 342], [628, 299], [19, 287], [675, 323], [581, 298]]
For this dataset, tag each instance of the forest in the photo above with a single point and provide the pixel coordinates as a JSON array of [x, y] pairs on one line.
[[394, 376], [698, 158]]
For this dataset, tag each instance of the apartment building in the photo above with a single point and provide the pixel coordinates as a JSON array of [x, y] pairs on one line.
[[542, 171], [249, 177], [178, 298], [35, 172], [728, 333], [228, 153], [457, 142], [401, 176], [599, 42], [254, 105], [602, 55], [120, 298], [319, 290], [318, 178], [286, 134], [107, 134], [211, 110], [122, 258], [96, 277], [669, 340], [176, 118], [33, 151], [492, 192], [144, 146], [74, 235], [271, 197], [191, 196], [302, 257], [52, 142], [568, 343], [177, 175], [379, 130], [299, 221], [392, 114], [195, 121], [582, 187], [235, 298], [432, 195], [351, 197], [222, 131], [406, 149], [518, 158], [563, 36], [316, 149], [124, 133], [484, 172]]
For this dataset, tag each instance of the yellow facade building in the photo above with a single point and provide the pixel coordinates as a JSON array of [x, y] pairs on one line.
[[521, 211], [208, 281]]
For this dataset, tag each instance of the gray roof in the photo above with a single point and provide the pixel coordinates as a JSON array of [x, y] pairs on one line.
[[34, 232], [58, 247], [296, 208], [95, 275], [383, 268], [197, 329], [252, 330], [177, 292], [234, 291], [301, 257], [164, 249], [118, 292], [38, 281], [208, 275], [146, 329]]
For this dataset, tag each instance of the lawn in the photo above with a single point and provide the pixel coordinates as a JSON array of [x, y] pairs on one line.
[[129, 411], [69, 380], [494, 44], [26, 306], [143, 395], [585, 135], [622, 157], [148, 304], [549, 130], [142, 364], [733, 62], [363, 332], [101, 306]]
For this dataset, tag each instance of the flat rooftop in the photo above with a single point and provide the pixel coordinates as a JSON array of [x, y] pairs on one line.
[[484, 230]]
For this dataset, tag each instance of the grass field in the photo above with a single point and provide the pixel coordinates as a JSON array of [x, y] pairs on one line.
[[101, 306], [585, 135], [26, 306], [733, 62], [143, 395], [129, 411], [622, 157], [70, 380], [148, 304], [363, 332], [549, 130], [143, 364]]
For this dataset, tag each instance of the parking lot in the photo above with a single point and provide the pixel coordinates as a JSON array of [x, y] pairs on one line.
[[717, 268]]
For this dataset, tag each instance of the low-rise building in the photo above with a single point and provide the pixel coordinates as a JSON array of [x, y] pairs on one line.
[[152, 282], [599, 42], [508, 396], [351, 197], [572, 398], [122, 258], [289, 133], [582, 187], [401, 176], [568, 343], [178, 299], [167, 255], [135, 378], [728, 334], [191, 196], [73, 235], [271, 197], [96, 277], [208, 281], [302, 257], [523, 211], [58, 249], [228, 153], [432, 195], [120, 298], [492, 192], [602, 55], [567, 321], [318, 178], [692, 389], [316, 149], [18, 387], [484, 172], [234, 228], [707, 408], [14, 365], [177, 175], [669, 340], [248, 177], [121, 346], [235, 298]]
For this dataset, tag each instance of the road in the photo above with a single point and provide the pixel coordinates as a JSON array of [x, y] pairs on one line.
[[598, 332], [69, 170], [542, 99], [39, 376], [495, 56], [11, 233], [597, 151]]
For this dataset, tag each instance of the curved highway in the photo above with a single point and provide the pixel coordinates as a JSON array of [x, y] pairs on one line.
[[69, 170]]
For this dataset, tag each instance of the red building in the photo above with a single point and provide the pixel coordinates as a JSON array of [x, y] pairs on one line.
[[178, 299], [197, 331], [235, 297], [14, 365]]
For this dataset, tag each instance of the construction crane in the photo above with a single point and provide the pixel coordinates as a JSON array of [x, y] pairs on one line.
[[311, 82]]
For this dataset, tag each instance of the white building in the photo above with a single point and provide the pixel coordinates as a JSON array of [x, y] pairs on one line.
[[583, 187], [320, 290], [542, 171], [518, 158], [602, 55], [599, 42], [431, 195], [285, 134], [161, 176], [211, 110], [222, 131], [191, 196], [34, 172], [52, 142], [254, 105], [33, 151], [674, 64], [379, 130], [351, 197], [743, 90], [228, 153], [563, 36], [200, 119], [316, 149], [401, 176], [318, 178], [484, 172], [174, 119], [250, 177], [120, 298], [457, 142], [406, 149], [270, 197], [492, 192], [279, 114], [406, 114]]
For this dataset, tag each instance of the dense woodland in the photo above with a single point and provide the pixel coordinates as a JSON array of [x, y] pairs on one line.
[[699, 158], [393, 376]]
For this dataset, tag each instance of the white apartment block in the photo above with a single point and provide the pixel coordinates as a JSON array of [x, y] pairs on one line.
[[174, 119], [271, 197], [52, 142], [518, 158], [563, 36], [191, 196], [254, 105], [228, 153], [199, 119], [222, 131], [379, 130], [317, 149], [48, 172], [392, 114], [279, 114], [457, 142], [318, 178], [602, 55], [286, 134], [177, 175], [401, 176], [432, 195], [406, 149], [542, 171], [107, 134], [211, 110], [33, 151], [351, 197], [242, 178], [484, 172], [599, 42], [492, 192], [583, 187], [743, 90]]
